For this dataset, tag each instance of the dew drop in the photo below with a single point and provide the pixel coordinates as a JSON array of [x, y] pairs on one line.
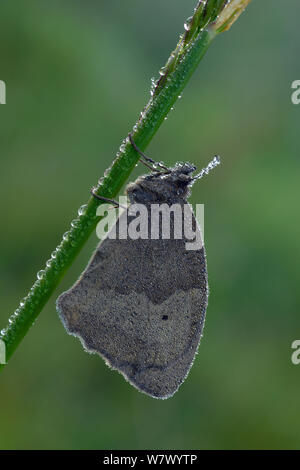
[[66, 236], [162, 71], [188, 23], [48, 263], [74, 223], [34, 286], [82, 209], [153, 86], [40, 274]]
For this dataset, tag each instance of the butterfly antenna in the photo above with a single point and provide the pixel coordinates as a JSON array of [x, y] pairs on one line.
[[215, 162]]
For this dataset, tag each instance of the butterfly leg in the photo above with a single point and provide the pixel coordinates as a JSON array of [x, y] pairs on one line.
[[104, 199], [147, 159]]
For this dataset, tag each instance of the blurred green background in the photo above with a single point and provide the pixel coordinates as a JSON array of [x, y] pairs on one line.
[[77, 75]]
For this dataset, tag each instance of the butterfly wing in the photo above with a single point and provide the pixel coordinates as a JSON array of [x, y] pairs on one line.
[[141, 305]]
